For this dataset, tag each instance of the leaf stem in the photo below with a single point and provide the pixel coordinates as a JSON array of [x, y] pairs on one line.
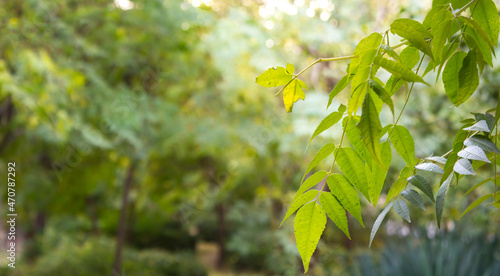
[[407, 98], [465, 7], [312, 64], [335, 156]]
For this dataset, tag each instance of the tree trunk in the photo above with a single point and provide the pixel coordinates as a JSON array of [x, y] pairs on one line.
[[221, 221], [120, 239], [94, 217]]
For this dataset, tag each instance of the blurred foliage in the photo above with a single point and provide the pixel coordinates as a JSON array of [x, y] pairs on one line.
[[88, 88]]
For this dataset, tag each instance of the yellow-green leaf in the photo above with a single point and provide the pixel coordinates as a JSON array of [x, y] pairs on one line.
[[353, 168], [309, 225], [299, 202], [400, 183], [398, 70], [476, 203], [346, 194], [335, 211], [370, 128], [403, 143], [273, 77], [414, 32], [486, 14], [292, 93], [326, 123]]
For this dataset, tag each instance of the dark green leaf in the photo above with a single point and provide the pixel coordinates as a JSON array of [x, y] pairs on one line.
[[420, 182], [414, 198], [440, 198], [378, 221], [482, 142], [402, 209]]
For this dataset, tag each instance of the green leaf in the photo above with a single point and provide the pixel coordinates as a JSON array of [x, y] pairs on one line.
[[366, 46], [341, 85], [409, 57], [402, 209], [398, 70], [400, 183], [482, 142], [431, 167], [346, 194], [468, 78], [490, 120], [378, 173], [326, 123], [476, 203], [480, 45], [441, 30], [486, 14], [451, 75], [460, 77], [414, 32], [440, 198], [448, 166], [438, 159], [390, 52], [474, 153], [370, 128], [290, 68], [420, 182], [357, 96], [273, 77], [480, 32], [478, 185], [354, 136], [320, 156], [382, 93], [292, 93], [310, 182], [403, 143], [335, 211], [301, 200], [414, 198], [309, 224], [464, 167], [353, 168], [342, 108], [378, 221], [479, 126]]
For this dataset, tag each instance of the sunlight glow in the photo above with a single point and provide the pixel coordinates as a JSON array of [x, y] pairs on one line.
[[124, 4]]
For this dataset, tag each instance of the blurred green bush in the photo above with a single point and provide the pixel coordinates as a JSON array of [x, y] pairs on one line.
[[94, 256]]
